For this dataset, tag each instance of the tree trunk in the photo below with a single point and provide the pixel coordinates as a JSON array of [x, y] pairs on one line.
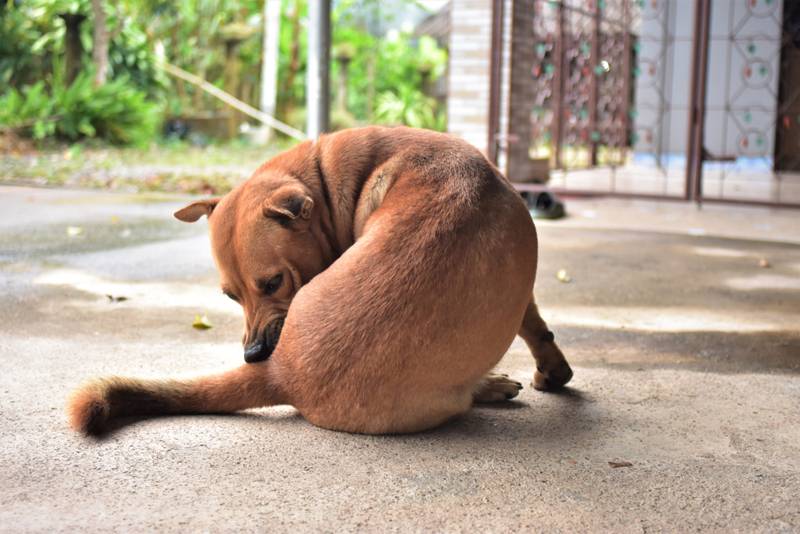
[[231, 76], [100, 46], [73, 49], [370, 88], [341, 89], [269, 58], [180, 87], [294, 62]]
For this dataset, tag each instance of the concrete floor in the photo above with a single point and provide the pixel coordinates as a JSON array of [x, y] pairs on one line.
[[686, 355]]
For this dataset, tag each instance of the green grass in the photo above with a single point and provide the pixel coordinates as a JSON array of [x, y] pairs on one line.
[[167, 167]]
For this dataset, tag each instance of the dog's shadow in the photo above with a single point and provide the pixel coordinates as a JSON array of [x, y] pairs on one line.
[[564, 414], [569, 394], [283, 419]]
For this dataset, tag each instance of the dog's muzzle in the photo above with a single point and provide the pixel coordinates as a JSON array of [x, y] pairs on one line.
[[263, 343]]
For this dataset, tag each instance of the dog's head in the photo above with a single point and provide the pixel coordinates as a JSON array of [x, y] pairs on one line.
[[265, 251]]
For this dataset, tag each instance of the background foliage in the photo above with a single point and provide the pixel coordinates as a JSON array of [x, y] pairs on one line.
[[388, 72]]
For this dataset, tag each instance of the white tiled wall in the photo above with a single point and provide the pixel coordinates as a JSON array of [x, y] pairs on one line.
[[742, 100], [743, 68], [742, 91], [662, 96]]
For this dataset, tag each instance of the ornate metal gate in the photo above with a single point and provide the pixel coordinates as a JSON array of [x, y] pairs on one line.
[[603, 115], [666, 98], [581, 117]]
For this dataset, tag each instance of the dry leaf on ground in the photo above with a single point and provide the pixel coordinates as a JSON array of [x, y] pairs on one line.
[[616, 464]]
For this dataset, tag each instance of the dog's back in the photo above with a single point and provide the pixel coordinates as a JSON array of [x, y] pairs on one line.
[[425, 302]]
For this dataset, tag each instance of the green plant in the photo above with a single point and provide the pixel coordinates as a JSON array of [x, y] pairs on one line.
[[409, 106], [116, 111], [190, 32], [32, 41], [30, 108], [389, 73], [24, 34]]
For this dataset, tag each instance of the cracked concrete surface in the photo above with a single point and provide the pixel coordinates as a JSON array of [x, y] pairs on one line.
[[686, 357]]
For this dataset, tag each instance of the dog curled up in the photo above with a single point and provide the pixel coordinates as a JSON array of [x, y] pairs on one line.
[[383, 273]]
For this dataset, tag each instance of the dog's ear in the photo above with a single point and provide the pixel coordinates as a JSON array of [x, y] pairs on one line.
[[288, 202], [195, 210]]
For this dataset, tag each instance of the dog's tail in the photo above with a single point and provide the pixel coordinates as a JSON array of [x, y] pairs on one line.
[[94, 405]]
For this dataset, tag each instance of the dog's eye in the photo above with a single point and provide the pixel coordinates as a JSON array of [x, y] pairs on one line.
[[270, 286], [231, 296]]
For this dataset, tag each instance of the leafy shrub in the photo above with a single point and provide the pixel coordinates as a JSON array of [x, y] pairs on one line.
[[409, 106], [30, 108], [398, 70], [115, 111], [32, 41]]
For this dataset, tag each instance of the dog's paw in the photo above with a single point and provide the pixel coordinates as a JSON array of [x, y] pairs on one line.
[[553, 379], [496, 388]]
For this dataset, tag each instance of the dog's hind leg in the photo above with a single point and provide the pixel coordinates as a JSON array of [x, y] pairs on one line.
[[94, 405], [552, 369]]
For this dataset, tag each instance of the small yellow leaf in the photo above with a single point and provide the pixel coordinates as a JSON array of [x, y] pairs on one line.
[[74, 231], [563, 276], [201, 322]]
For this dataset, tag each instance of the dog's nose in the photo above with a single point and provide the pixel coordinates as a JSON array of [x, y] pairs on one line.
[[256, 352], [263, 343]]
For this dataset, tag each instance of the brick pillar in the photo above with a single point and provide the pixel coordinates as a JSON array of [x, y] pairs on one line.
[[469, 81], [519, 97], [470, 53]]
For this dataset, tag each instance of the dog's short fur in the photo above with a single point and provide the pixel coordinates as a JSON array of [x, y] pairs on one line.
[[409, 262]]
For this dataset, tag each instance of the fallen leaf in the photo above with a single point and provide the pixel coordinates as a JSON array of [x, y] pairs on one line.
[[764, 263], [115, 219], [112, 298], [74, 231], [201, 322], [620, 464], [563, 276]]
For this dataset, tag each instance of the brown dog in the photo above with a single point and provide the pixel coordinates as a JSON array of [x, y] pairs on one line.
[[409, 262]]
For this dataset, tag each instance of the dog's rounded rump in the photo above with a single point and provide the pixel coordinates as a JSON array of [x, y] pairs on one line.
[[397, 332]]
